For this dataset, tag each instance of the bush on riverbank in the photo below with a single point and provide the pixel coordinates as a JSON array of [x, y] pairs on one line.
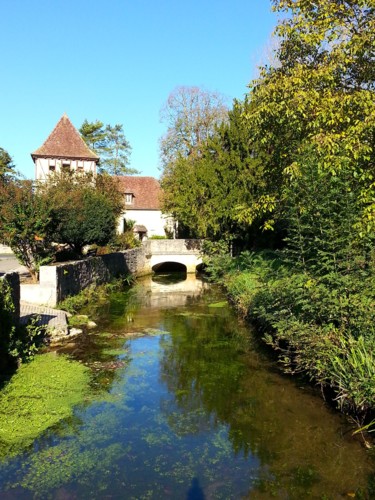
[[93, 294], [17, 343], [314, 301], [321, 328]]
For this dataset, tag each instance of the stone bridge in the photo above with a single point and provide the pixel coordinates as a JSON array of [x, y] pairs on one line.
[[60, 280], [163, 254]]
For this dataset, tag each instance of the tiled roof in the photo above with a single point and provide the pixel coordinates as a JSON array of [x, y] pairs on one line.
[[146, 192], [65, 142]]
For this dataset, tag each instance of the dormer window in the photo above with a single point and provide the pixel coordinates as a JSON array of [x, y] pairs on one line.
[[128, 198]]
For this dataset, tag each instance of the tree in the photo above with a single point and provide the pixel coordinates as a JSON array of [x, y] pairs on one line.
[[191, 114], [93, 133], [84, 210], [320, 93], [6, 165], [204, 192], [110, 144], [26, 224], [115, 155]]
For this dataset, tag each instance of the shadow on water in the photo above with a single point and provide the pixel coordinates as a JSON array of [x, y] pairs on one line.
[[195, 491], [169, 278]]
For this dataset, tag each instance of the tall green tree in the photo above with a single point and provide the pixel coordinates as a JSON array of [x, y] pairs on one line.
[[115, 156], [204, 193], [321, 92], [110, 144], [84, 210], [93, 133], [26, 224], [6, 165]]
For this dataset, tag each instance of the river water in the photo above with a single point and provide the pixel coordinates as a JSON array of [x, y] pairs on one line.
[[187, 405]]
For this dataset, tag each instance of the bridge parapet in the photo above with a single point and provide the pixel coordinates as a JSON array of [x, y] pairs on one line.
[[185, 252], [172, 247]]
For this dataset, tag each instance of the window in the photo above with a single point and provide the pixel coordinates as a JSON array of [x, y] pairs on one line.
[[128, 198], [65, 165], [51, 165]]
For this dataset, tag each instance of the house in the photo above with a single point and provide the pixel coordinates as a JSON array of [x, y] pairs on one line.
[[142, 197], [64, 149]]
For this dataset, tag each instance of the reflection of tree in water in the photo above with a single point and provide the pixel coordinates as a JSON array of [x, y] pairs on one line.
[[202, 369], [214, 380]]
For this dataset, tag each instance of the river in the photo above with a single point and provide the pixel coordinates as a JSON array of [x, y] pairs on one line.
[[184, 403]]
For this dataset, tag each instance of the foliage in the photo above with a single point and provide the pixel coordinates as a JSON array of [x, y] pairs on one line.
[[39, 395], [323, 211], [26, 224], [316, 308], [314, 326], [111, 145], [204, 191], [320, 93], [125, 240], [84, 210], [191, 114], [93, 133], [7, 327], [6, 166], [93, 294], [18, 343]]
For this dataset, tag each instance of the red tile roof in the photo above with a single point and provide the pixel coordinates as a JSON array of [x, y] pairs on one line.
[[146, 192], [65, 142]]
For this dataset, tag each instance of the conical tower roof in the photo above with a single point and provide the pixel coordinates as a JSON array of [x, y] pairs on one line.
[[65, 142]]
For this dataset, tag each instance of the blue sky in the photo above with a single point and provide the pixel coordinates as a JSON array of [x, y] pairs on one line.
[[117, 61]]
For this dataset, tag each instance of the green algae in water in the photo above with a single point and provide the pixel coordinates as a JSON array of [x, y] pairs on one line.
[[39, 395], [190, 407], [223, 303]]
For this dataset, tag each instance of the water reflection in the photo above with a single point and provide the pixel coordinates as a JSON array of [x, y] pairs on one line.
[[194, 411], [170, 290]]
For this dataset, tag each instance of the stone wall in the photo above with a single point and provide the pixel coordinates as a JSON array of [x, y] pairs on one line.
[[5, 249], [179, 246], [73, 277], [56, 282]]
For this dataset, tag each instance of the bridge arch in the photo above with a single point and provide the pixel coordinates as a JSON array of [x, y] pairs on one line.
[[169, 266], [180, 252]]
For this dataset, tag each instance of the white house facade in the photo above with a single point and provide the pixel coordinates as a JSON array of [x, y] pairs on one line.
[[142, 197]]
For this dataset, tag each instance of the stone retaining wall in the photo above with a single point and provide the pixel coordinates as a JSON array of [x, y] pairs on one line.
[[5, 249], [56, 282]]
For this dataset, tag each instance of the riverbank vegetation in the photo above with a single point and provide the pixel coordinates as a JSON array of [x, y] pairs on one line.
[[94, 294], [18, 343], [291, 169]]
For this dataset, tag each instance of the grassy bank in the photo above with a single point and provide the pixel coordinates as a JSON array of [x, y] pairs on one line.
[[321, 327]]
